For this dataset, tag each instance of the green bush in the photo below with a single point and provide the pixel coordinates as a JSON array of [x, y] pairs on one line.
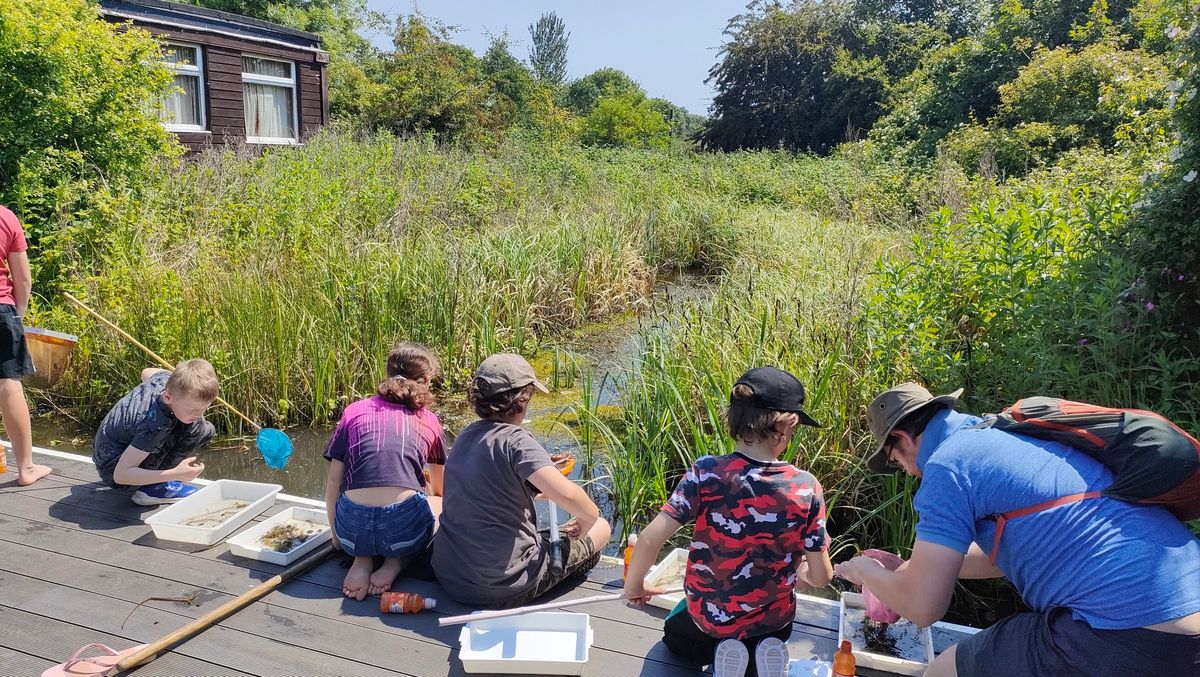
[[1168, 231], [1032, 293], [78, 111], [628, 120]]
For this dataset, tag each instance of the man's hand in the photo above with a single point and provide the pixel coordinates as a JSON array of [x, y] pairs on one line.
[[857, 569], [188, 469], [638, 593]]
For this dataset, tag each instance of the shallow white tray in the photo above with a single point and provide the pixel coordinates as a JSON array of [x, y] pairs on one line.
[[248, 545], [657, 576], [540, 643], [867, 659], [168, 524]]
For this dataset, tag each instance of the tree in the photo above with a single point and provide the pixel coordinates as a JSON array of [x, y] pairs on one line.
[[583, 94], [430, 85], [73, 108], [548, 54], [513, 86], [627, 120], [683, 125]]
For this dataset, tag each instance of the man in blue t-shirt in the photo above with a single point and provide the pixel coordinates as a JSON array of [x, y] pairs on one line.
[[1114, 587]]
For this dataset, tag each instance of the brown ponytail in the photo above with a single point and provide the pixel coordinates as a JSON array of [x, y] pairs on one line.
[[410, 368]]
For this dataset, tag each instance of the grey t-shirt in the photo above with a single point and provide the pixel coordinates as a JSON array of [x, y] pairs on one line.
[[487, 550]]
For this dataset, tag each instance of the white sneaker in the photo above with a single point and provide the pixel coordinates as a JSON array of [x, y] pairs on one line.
[[771, 658], [730, 659]]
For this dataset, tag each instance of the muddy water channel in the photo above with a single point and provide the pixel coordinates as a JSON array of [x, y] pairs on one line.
[[597, 357]]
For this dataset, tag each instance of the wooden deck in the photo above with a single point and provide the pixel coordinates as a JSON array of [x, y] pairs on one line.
[[77, 563]]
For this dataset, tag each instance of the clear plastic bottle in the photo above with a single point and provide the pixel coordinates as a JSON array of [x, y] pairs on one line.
[[843, 661], [629, 553], [404, 603]]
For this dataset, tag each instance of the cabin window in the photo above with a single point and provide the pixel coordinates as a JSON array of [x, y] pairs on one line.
[[269, 94], [182, 109]]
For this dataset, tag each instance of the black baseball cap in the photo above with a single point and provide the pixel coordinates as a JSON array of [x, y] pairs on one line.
[[773, 389]]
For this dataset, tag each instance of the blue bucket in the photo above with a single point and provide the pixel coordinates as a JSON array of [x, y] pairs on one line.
[[275, 447]]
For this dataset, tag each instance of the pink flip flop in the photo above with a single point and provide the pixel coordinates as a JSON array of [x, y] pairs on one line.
[[91, 665]]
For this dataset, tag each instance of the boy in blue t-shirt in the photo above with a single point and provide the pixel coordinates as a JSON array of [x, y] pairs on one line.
[[759, 527]]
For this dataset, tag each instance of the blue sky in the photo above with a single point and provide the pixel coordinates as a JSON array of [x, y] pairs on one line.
[[666, 45]]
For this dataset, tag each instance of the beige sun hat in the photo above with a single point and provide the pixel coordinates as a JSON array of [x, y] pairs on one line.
[[505, 371], [891, 407]]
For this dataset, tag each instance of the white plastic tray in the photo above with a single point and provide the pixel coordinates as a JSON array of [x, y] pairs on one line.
[[657, 575], [248, 545], [540, 643], [168, 524], [867, 659]]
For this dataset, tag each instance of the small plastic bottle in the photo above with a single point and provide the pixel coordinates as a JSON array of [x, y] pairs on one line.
[[404, 603], [843, 661], [629, 553]]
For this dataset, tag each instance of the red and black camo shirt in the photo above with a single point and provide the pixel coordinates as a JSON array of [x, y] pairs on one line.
[[753, 521]]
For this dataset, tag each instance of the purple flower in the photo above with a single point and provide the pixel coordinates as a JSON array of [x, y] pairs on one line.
[[1083, 342], [1149, 307], [1181, 277]]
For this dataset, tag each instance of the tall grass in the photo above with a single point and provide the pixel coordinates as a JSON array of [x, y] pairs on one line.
[[294, 271], [1027, 293]]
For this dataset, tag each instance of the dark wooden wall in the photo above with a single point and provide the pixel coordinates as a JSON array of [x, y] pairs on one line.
[[223, 85]]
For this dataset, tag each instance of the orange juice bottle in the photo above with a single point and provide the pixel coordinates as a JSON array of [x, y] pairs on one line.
[[843, 661], [629, 553], [404, 603]]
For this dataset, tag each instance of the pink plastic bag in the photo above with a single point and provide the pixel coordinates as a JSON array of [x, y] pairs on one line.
[[877, 610]]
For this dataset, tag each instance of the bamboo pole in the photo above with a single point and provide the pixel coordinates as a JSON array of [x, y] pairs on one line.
[[504, 613], [222, 612], [151, 353]]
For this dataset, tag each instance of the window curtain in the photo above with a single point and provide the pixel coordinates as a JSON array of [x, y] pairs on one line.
[[181, 105], [268, 111]]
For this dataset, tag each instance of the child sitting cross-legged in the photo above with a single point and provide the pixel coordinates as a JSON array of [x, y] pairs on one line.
[[755, 517], [376, 494]]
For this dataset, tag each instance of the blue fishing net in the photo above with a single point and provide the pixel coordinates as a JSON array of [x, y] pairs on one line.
[[275, 447]]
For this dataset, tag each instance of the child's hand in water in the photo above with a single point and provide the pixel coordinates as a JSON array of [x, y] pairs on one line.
[[188, 469], [638, 593]]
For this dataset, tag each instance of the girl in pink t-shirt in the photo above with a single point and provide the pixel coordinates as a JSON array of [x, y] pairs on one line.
[[377, 495]]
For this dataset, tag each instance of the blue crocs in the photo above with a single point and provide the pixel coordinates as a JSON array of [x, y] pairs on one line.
[[163, 492]]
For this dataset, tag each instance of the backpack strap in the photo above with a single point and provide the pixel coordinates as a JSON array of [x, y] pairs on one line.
[[1003, 518]]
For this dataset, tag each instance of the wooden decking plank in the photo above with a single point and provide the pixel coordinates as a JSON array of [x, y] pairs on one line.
[[317, 600], [219, 645], [15, 663], [52, 641]]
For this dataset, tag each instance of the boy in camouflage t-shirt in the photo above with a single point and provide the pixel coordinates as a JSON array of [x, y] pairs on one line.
[[755, 518]]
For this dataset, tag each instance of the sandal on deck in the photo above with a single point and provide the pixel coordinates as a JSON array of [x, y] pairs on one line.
[[91, 665]]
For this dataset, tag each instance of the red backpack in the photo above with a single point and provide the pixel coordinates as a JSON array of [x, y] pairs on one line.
[[1153, 461]]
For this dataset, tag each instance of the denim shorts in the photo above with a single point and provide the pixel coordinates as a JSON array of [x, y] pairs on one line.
[[398, 530]]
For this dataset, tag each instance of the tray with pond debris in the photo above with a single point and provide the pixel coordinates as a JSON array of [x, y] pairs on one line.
[[284, 538], [668, 573], [901, 647], [212, 513]]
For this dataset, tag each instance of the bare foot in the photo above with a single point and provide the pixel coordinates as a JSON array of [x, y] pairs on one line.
[[355, 585], [382, 579], [27, 475]]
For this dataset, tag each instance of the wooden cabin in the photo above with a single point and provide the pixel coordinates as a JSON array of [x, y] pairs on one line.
[[236, 78]]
